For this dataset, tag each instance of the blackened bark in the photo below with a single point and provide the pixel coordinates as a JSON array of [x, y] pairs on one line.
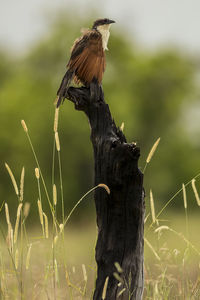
[[120, 215]]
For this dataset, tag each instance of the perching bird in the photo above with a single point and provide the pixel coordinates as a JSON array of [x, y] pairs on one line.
[[87, 62]]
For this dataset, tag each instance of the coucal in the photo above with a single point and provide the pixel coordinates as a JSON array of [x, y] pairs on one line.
[[87, 62]]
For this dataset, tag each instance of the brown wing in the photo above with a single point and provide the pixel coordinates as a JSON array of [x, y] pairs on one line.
[[87, 58]]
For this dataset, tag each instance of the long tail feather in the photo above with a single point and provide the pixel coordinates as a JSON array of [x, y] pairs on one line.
[[63, 86]]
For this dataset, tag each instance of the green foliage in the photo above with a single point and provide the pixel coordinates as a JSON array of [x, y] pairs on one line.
[[147, 91]]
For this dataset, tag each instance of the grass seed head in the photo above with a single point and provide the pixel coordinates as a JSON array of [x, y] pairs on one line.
[[10, 238], [153, 215], [184, 196], [105, 289], [105, 187], [56, 119], [55, 241], [40, 211], [118, 267], [26, 209], [152, 151], [19, 209], [54, 195], [17, 222], [121, 292], [57, 141], [195, 191], [12, 179], [24, 126], [61, 226], [122, 127], [7, 214], [22, 185], [46, 225], [37, 173], [116, 275]]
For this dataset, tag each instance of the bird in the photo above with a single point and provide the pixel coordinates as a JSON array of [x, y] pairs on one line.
[[87, 61]]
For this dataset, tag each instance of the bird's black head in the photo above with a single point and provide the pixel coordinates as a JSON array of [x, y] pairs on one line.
[[100, 22]]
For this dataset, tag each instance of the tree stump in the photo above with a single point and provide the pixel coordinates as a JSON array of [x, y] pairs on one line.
[[120, 214]]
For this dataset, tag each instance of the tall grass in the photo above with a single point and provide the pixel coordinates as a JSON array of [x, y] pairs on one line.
[[36, 266]]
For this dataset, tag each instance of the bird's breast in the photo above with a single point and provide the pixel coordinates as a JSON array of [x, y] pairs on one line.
[[105, 34]]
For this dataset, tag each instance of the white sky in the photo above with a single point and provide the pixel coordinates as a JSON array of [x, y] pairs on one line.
[[153, 23]]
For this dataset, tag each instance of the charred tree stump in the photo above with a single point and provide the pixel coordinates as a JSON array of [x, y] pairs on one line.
[[120, 214]]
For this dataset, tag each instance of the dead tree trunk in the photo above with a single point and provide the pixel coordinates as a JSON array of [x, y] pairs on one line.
[[120, 215]]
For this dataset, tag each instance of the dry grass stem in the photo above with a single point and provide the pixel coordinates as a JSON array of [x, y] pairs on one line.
[[153, 215], [37, 173], [54, 195], [152, 151], [11, 238], [163, 227], [67, 278], [3, 285], [57, 141], [56, 270], [152, 249], [195, 191], [55, 240], [180, 235], [105, 187], [12, 179], [84, 272], [56, 119], [105, 288], [184, 196], [46, 226], [28, 256], [146, 218], [24, 126], [22, 185], [16, 258]]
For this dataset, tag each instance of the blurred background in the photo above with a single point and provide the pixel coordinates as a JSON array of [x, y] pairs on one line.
[[151, 84]]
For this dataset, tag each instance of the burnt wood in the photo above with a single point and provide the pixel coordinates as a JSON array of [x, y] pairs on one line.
[[120, 214]]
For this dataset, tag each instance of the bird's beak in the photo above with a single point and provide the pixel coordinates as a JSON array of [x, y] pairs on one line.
[[111, 21]]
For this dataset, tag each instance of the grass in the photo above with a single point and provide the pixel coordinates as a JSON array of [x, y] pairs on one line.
[[56, 260]]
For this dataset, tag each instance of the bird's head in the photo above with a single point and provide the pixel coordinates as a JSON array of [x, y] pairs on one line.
[[102, 24]]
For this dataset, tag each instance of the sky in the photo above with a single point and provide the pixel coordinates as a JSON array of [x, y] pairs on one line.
[[152, 23]]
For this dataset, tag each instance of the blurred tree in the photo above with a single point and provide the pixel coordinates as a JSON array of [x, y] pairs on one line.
[[145, 90]]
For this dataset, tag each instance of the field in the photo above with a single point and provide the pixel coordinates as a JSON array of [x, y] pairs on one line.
[[55, 259], [53, 268]]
